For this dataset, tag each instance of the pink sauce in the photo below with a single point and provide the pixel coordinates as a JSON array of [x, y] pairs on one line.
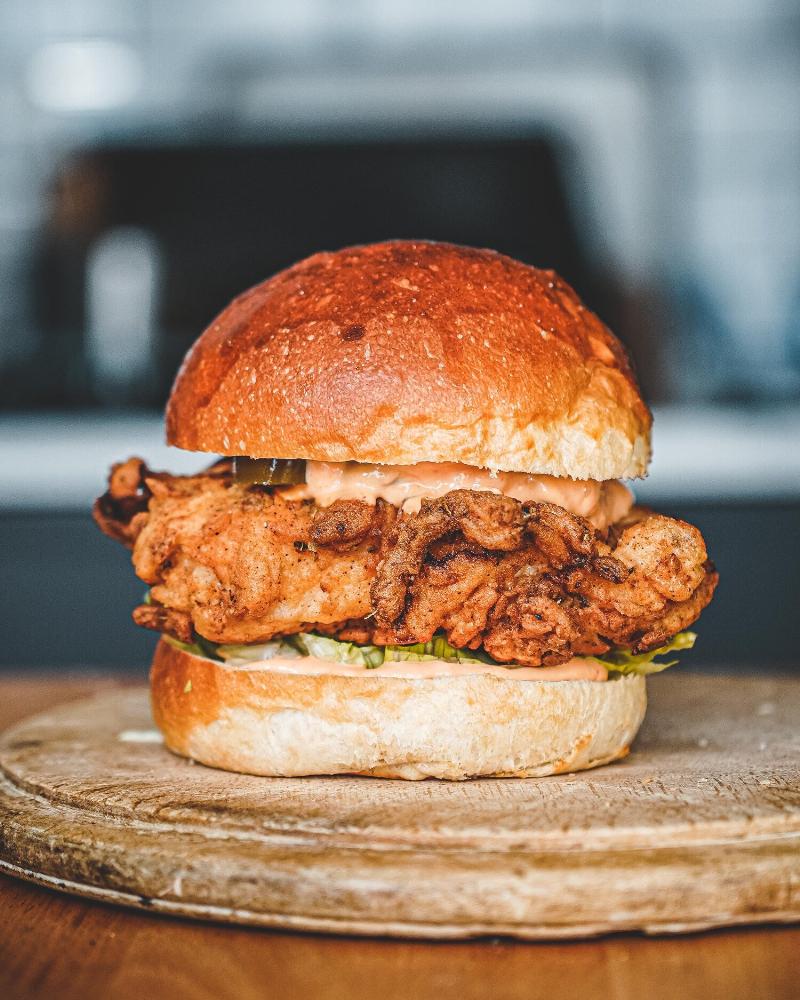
[[576, 669], [405, 486]]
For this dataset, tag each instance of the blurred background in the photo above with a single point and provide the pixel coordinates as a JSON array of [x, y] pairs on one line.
[[159, 156]]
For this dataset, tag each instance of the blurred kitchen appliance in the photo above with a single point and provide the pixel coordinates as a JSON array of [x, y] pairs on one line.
[[145, 243]]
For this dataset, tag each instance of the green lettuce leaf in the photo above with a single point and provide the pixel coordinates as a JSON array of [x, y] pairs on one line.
[[195, 648], [322, 646], [438, 648], [617, 661], [336, 651], [239, 656], [623, 661]]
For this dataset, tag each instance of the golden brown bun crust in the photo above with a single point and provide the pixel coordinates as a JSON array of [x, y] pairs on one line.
[[259, 721], [406, 352]]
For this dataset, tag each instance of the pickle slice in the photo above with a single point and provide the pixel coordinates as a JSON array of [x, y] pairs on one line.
[[269, 471]]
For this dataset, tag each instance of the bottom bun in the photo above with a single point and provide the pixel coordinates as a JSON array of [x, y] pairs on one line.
[[259, 721]]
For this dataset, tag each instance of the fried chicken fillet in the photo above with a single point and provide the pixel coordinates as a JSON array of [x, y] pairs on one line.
[[531, 583]]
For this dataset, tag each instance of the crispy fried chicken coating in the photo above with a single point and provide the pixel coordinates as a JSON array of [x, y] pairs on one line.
[[530, 583], [535, 584]]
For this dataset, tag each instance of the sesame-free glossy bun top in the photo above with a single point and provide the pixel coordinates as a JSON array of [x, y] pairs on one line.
[[406, 352]]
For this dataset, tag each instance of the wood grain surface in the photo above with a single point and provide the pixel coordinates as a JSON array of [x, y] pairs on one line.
[[700, 827], [53, 945]]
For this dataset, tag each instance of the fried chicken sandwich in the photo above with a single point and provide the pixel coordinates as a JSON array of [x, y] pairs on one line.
[[415, 557]]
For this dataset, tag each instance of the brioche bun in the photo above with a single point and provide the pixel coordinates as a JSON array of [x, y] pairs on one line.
[[407, 352], [259, 721]]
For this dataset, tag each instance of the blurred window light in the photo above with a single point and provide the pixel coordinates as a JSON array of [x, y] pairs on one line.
[[121, 303], [87, 75]]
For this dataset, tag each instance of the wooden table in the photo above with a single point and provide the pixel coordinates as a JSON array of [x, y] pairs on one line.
[[52, 945]]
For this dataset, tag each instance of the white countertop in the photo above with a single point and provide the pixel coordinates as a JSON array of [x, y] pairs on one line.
[[58, 461]]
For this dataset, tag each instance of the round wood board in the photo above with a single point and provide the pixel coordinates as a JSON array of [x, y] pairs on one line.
[[699, 827]]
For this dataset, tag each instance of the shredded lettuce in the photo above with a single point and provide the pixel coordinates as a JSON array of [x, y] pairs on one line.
[[336, 651], [238, 656], [200, 646], [438, 648], [326, 648], [188, 647], [617, 661]]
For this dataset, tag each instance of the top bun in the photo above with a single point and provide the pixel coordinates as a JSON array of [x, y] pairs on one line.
[[406, 352]]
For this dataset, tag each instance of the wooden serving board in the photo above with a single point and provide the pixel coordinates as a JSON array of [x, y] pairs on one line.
[[699, 827]]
